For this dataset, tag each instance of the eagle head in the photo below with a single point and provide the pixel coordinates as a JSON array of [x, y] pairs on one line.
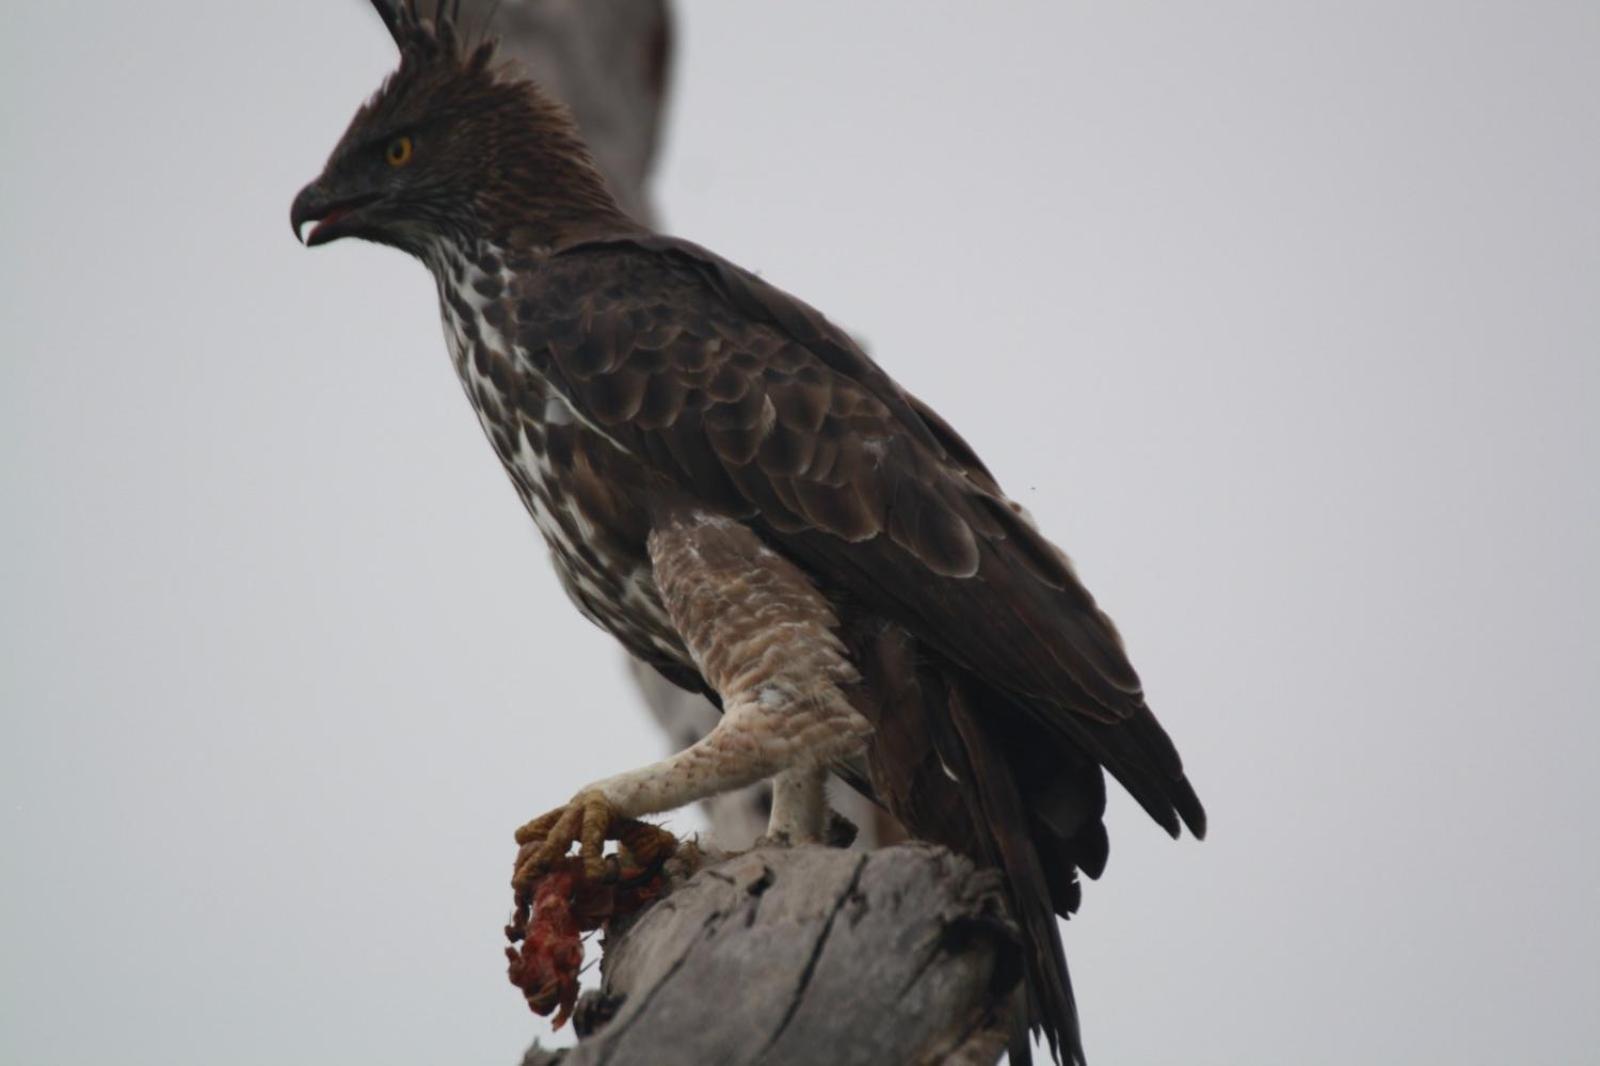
[[452, 148]]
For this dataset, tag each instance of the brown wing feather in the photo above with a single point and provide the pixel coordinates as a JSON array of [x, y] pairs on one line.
[[744, 397]]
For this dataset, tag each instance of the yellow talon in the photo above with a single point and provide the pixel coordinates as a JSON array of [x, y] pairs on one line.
[[585, 820]]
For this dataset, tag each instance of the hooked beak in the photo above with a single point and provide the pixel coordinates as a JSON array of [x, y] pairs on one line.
[[334, 216]]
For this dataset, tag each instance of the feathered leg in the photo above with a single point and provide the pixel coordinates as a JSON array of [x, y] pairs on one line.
[[765, 639]]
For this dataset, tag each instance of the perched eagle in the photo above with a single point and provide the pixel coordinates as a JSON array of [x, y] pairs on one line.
[[735, 491]]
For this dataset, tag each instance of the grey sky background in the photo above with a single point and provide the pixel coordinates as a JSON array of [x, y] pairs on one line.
[[1281, 317]]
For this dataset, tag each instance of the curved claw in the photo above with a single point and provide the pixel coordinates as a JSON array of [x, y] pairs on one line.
[[585, 820], [588, 820]]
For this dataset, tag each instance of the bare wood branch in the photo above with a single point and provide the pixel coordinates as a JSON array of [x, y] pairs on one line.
[[807, 955]]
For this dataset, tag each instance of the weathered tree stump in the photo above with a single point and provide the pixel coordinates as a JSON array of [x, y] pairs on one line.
[[803, 956]]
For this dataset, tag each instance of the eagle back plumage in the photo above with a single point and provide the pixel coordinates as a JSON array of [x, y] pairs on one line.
[[732, 393]]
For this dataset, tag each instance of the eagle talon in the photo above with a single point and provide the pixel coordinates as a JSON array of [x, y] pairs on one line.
[[585, 820], [589, 820], [559, 902]]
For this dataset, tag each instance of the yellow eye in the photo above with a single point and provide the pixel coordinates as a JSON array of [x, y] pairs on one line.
[[399, 152]]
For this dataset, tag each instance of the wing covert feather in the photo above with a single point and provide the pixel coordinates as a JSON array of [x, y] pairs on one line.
[[747, 399]]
